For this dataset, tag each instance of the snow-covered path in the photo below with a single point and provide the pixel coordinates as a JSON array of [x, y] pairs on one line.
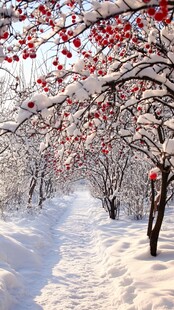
[[72, 273], [72, 256], [76, 281]]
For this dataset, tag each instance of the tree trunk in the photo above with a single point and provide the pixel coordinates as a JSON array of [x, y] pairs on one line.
[[118, 209], [48, 188], [41, 198], [41, 194], [151, 215], [33, 184], [112, 212], [31, 191], [161, 209]]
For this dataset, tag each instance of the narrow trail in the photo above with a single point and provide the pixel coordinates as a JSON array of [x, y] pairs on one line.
[[72, 278], [88, 262]]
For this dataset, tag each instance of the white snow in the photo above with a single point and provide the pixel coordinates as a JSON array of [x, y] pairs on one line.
[[72, 256], [2, 56], [147, 119], [70, 129], [168, 146], [154, 93], [89, 139]]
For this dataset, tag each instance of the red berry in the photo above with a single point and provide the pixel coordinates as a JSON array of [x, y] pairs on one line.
[[32, 55], [25, 55], [153, 176], [65, 38], [127, 27], [55, 62], [64, 52], [163, 3], [159, 16], [97, 115], [151, 11], [69, 100], [167, 20], [138, 20], [9, 59], [140, 25], [69, 54], [31, 104], [30, 45], [59, 67], [41, 8], [100, 72], [70, 33], [22, 18], [46, 89], [22, 41], [77, 42], [5, 35], [16, 58]]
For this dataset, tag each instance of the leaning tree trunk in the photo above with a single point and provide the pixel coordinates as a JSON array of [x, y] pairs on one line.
[[161, 209], [151, 215], [31, 191]]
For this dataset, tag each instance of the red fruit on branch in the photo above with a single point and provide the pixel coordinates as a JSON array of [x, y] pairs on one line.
[[97, 115], [69, 54], [15, 57], [59, 67], [46, 89], [64, 37], [30, 104], [127, 27], [151, 11], [8, 59], [77, 42], [55, 62], [5, 35], [153, 176], [159, 16], [64, 51], [30, 44]]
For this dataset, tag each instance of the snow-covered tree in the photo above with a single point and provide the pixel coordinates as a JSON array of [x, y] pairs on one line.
[[113, 64]]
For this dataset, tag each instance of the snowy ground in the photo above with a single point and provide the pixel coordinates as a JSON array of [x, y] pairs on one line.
[[72, 256]]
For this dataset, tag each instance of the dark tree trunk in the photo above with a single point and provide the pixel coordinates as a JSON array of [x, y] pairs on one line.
[[112, 212], [151, 215], [48, 188], [161, 209], [33, 184], [41, 198], [31, 191], [107, 204]]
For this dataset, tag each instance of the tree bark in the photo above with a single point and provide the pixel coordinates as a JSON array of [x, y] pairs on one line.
[[151, 214], [32, 186], [161, 209], [41, 194], [31, 191], [112, 212], [41, 197]]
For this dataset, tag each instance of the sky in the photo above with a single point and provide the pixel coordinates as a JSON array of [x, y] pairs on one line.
[[72, 256]]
